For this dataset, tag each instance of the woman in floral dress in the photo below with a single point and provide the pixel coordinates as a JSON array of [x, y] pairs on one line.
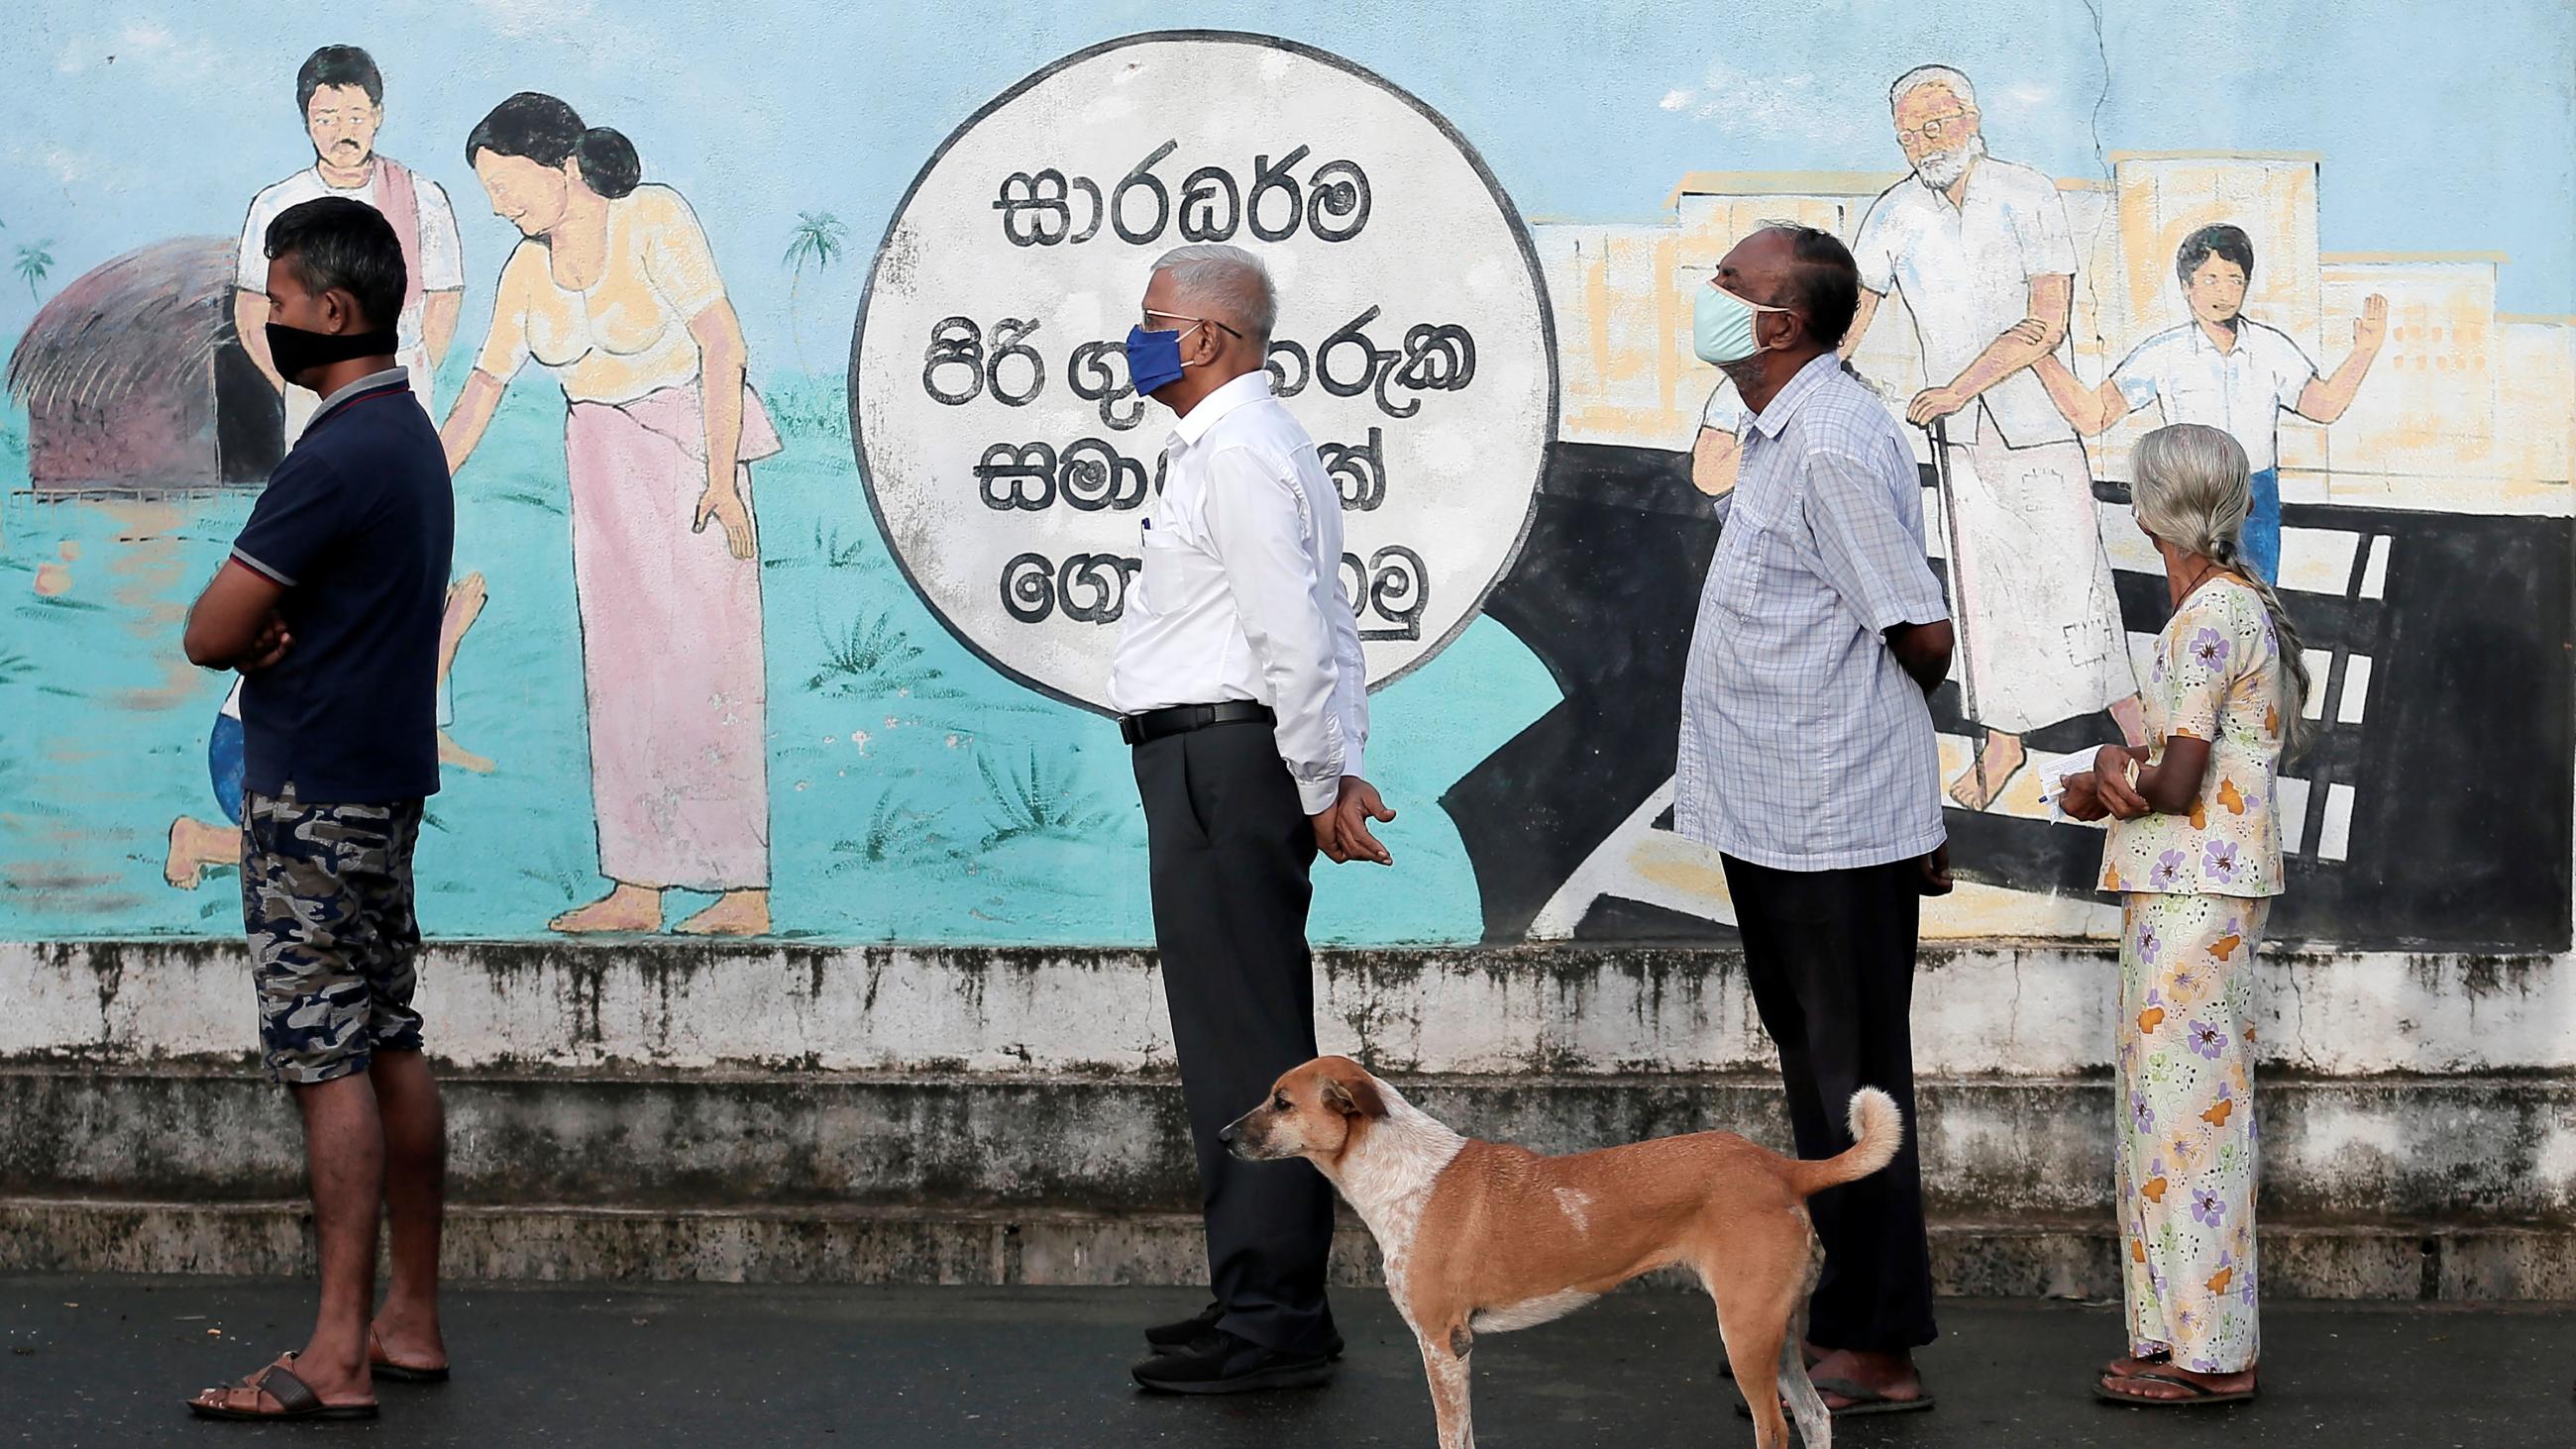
[[2195, 852]]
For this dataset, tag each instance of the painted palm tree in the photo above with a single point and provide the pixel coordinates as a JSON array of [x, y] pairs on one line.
[[815, 242], [34, 262]]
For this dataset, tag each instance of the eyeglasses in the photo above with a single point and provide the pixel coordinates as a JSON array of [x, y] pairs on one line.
[[1151, 314], [1933, 129]]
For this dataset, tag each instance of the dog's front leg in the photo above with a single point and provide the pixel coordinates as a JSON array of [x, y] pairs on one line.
[[1444, 1359]]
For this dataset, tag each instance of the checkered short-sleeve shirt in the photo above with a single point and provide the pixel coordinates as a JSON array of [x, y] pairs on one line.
[[1804, 744]]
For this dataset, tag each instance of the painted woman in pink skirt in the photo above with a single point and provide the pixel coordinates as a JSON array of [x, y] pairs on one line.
[[615, 292]]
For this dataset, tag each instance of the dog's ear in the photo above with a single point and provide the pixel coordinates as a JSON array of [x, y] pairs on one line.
[[1354, 1097]]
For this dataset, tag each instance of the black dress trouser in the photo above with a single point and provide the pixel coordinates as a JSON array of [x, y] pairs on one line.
[[1230, 847], [1830, 957]]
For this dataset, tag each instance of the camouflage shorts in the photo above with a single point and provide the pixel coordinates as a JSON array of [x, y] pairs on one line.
[[327, 902]]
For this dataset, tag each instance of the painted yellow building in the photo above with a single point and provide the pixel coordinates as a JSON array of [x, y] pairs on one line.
[[2466, 409]]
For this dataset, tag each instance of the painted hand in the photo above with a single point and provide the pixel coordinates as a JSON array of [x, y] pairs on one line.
[[2029, 332], [723, 503], [1934, 402], [2371, 328], [1359, 804]]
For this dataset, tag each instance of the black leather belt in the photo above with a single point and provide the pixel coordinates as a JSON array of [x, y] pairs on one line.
[[1180, 719]]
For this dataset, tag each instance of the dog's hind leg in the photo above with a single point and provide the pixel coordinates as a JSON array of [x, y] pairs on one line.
[[1754, 1344], [1815, 1421], [1760, 1286], [1444, 1361]]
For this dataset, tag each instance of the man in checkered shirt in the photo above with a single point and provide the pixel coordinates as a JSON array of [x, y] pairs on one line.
[[1808, 761]]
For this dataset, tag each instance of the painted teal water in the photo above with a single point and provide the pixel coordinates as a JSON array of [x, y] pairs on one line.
[[916, 795]]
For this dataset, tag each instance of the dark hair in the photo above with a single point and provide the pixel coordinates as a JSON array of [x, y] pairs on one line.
[[546, 131], [338, 65], [1824, 282], [340, 243], [2222, 240]]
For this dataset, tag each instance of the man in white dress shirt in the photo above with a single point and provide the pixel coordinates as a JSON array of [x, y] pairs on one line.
[[1240, 684], [1980, 247], [341, 96]]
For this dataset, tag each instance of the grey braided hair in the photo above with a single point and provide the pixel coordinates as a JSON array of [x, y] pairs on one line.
[[2191, 489]]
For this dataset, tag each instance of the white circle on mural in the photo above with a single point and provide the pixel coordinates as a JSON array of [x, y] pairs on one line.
[[1010, 465]]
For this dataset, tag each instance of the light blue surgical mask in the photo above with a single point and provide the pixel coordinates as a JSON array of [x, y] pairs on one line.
[[1722, 326]]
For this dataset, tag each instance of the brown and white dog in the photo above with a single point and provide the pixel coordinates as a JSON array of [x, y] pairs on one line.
[[1481, 1237]]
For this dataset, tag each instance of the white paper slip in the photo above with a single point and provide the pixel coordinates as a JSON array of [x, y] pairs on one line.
[[2056, 771]]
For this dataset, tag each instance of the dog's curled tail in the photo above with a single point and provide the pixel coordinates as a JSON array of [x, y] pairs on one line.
[[1878, 1129]]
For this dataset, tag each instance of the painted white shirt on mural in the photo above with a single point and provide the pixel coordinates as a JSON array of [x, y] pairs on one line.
[[1965, 271], [1241, 589], [1725, 410], [442, 256], [2241, 390]]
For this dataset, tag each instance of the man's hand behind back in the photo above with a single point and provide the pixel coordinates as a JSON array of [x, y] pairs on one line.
[[1342, 832]]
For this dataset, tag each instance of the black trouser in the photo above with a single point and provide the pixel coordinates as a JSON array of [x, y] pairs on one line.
[[1230, 847], [1830, 956]]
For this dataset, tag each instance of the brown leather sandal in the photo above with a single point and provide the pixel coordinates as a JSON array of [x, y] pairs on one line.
[[294, 1398], [381, 1365]]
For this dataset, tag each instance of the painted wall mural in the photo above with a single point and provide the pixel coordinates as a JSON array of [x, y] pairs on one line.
[[756, 633], [1413, 338]]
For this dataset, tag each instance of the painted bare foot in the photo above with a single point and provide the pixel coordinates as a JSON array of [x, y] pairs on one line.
[[2131, 716], [452, 753], [195, 845], [1978, 785], [626, 909], [736, 913]]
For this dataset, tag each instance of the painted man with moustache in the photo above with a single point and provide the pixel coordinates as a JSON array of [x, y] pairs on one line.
[[341, 96]]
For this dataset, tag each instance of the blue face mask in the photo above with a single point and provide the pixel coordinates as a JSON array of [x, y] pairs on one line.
[[1154, 358], [1722, 326]]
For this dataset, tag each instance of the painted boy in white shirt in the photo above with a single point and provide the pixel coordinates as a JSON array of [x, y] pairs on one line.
[[2226, 370]]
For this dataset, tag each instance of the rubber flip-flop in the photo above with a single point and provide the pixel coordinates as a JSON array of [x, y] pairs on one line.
[[1864, 1401], [381, 1366], [2194, 1395]]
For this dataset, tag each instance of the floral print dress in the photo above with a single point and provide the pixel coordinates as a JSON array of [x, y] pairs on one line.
[[2196, 891]]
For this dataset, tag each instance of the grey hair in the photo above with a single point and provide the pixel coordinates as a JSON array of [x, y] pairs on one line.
[[2191, 488], [1929, 75], [1229, 281]]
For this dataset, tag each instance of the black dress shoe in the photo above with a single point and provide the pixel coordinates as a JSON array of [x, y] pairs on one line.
[[1217, 1362], [1164, 1337]]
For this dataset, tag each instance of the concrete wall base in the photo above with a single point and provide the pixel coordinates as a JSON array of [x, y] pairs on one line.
[[764, 1113], [2029, 1257]]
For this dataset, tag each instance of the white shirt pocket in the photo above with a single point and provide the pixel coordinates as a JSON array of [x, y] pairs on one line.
[[1175, 573]]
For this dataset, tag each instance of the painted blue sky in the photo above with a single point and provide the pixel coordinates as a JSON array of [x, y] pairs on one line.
[[2442, 127]]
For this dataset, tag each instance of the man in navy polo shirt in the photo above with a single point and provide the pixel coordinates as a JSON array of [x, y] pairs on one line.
[[330, 605]]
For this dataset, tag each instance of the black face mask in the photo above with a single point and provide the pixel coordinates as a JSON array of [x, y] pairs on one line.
[[297, 351]]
